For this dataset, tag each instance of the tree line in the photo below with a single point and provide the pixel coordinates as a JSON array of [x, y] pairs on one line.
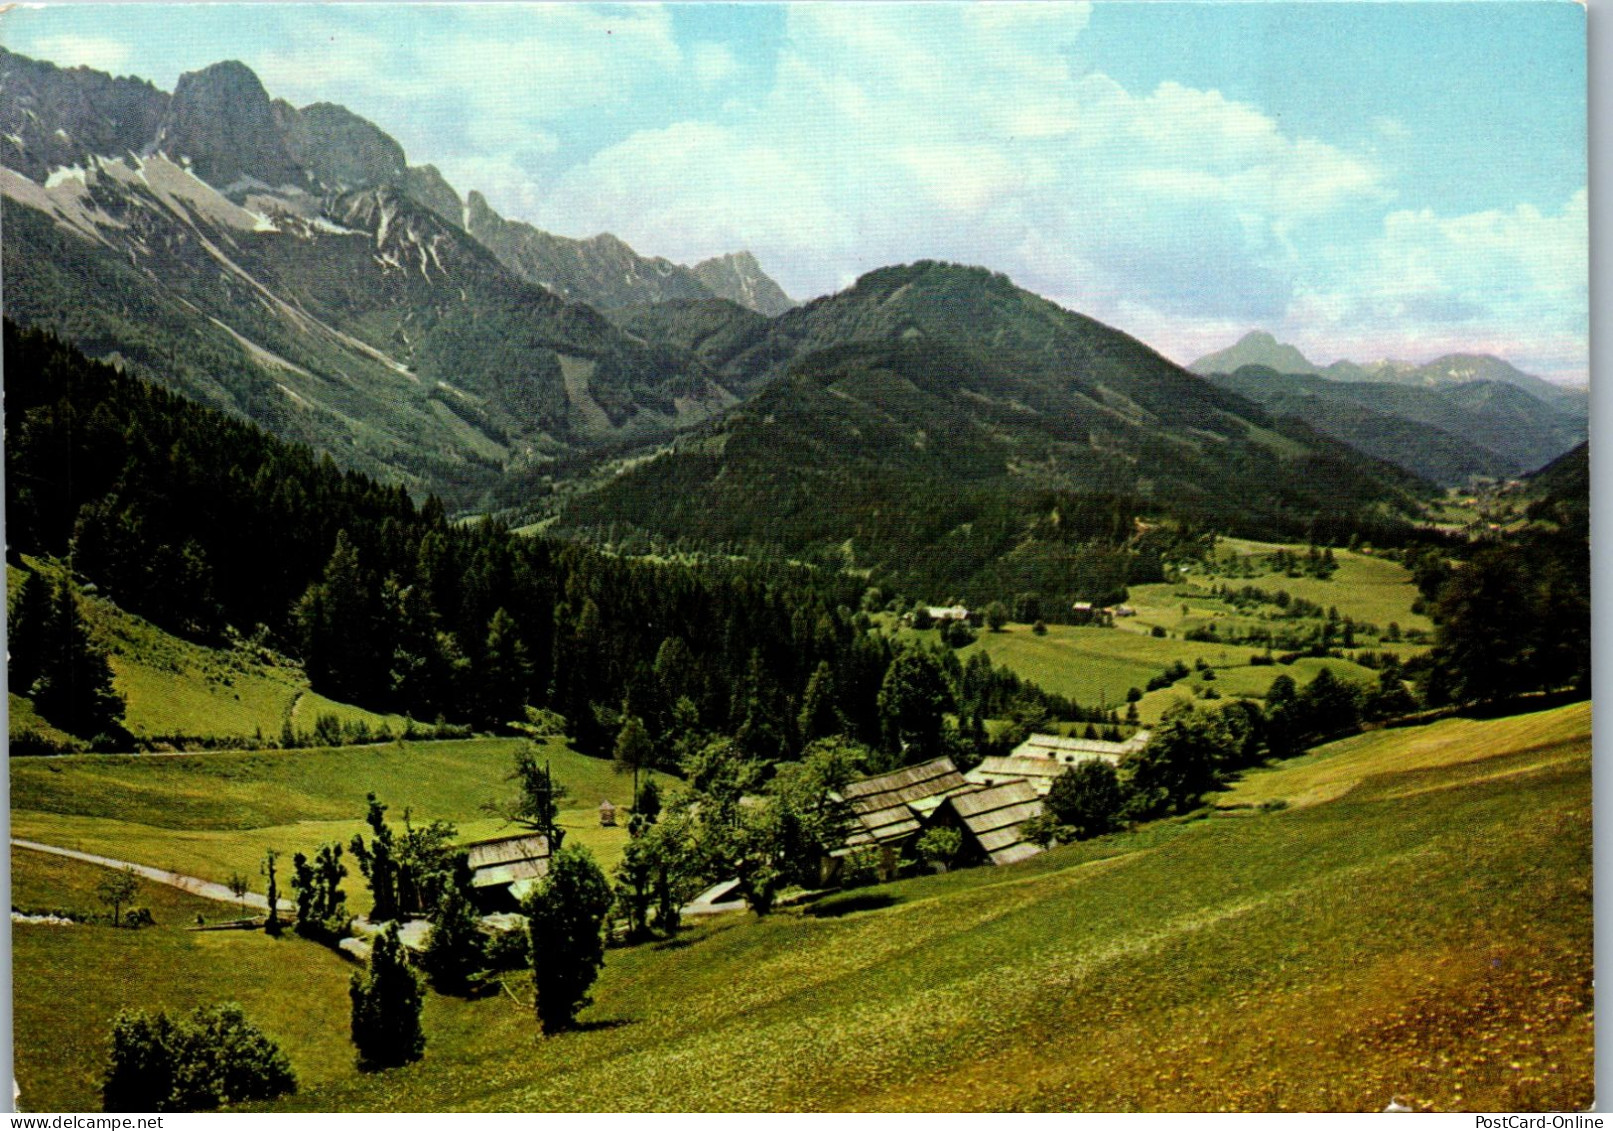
[[197, 521]]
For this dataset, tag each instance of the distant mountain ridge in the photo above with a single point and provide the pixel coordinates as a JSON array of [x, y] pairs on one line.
[[222, 124], [1446, 434], [1260, 348]]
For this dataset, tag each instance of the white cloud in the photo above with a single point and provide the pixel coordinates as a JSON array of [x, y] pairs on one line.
[[894, 132], [712, 64], [97, 52], [1512, 282]]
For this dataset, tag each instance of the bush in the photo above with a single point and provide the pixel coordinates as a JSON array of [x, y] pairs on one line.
[[508, 950], [1086, 799], [939, 847], [858, 867], [213, 1057]]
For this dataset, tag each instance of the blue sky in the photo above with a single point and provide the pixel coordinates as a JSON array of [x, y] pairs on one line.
[[1364, 179]]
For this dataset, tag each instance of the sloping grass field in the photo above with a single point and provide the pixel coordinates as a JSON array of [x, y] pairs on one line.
[[173, 686], [212, 814], [1417, 922]]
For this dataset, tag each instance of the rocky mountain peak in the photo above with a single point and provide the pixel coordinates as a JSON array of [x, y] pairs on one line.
[[220, 117], [739, 278]]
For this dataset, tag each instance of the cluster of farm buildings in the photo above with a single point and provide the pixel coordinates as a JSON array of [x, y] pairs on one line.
[[1082, 612], [988, 806]]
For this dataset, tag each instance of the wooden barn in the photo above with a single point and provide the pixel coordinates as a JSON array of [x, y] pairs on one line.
[[504, 869], [991, 822], [1073, 750], [890, 810], [1038, 773]]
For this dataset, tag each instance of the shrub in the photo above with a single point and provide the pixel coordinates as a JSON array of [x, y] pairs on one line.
[[939, 847], [213, 1057], [508, 950], [1086, 799], [859, 866], [456, 950]]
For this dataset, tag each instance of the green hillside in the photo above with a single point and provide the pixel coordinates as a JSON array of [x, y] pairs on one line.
[[941, 425], [1446, 433], [1424, 932], [176, 689]]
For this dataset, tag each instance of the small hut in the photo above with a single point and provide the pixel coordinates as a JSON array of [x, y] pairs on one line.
[[504, 869], [607, 815]]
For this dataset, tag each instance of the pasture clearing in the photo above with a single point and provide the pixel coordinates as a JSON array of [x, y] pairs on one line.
[[1426, 933]]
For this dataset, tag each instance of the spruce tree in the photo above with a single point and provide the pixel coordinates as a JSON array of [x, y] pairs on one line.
[[456, 948], [386, 1008], [74, 689], [28, 632]]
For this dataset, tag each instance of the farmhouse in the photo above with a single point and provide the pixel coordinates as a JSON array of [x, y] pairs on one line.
[[990, 821], [1072, 750], [504, 869], [1084, 612], [1038, 773], [890, 810]]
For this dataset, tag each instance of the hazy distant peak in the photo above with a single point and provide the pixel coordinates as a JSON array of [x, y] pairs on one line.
[[739, 278], [1257, 347]]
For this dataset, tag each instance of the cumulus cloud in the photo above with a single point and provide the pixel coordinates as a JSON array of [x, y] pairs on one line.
[[894, 132], [1514, 282]]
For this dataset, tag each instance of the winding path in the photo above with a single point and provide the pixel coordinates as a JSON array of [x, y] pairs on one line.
[[207, 889]]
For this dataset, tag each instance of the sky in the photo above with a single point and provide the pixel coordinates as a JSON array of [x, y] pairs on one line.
[[1364, 180]]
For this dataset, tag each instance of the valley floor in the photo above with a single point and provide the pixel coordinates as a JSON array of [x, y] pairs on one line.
[[1414, 921]]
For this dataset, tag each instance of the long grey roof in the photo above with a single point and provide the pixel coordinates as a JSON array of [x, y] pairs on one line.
[[507, 859], [889, 806], [994, 816]]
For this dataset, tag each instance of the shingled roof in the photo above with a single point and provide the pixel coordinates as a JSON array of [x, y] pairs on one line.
[[1037, 772], [889, 806], [1070, 750], [993, 817], [508, 859]]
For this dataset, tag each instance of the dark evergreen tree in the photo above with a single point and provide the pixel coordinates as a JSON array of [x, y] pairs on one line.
[[456, 948], [386, 1007], [820, 714], [378, 861], [504, 676], [565, 916], [29, 632], [74, 687]]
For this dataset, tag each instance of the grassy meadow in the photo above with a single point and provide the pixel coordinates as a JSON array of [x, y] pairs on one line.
[[175, 687], [215, 813], [1415, 922], [1097, 666]]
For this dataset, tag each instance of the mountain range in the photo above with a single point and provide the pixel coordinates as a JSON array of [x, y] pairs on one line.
[[1260, 348], [291, 266], [1459, 416], [939, 424], [933, 421]]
